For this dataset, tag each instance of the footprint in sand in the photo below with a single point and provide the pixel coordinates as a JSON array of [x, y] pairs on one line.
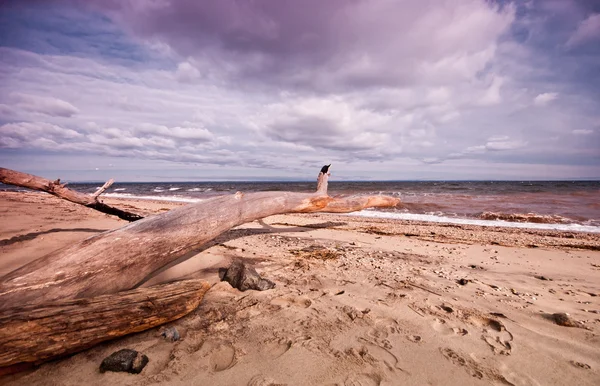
[[276, 349], [222, 358], [289, 301], [473, 368], [259, 380], [441, 325], [495, 334], [414, 338], [363, 380], [469, 365], [383, 328], [381, 355]]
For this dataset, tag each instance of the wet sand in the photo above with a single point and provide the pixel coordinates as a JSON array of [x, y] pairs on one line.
[[357, 302]]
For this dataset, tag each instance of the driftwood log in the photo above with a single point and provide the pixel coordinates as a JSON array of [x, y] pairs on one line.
[[32, 334], [29, 181], [120, 259]]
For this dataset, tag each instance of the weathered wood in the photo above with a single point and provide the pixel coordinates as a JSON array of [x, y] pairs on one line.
[[120, 259], [29, 181], [38, 333], [106, 185]]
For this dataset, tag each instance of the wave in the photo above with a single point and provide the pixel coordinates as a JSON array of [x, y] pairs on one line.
[[466, 221], [156, 198], [173, 189], [525, 217], [199, 190], [120, 189]]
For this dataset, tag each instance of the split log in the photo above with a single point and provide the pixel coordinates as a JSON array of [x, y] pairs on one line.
[[33, 334], [29, 181], [121, 259]]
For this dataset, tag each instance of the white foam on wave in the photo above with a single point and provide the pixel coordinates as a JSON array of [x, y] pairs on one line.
[[467, 221], [120, 189], [156, 198], [174, 189]]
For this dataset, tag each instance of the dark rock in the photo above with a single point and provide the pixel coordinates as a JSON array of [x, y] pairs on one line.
[[447, 308], [473, 266], [563, 319], [244, 277], [542, 278], [127, 360], [463, 281], [170, 334]]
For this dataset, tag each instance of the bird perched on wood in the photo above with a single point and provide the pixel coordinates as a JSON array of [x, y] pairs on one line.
[[325, 169]]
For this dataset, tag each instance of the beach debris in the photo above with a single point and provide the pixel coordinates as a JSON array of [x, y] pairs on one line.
[[421, 287], [565, 320], [540, 277], [245, 277], [416, 311], [353, 313], [125, 360], [317, 252], [463, 281], [340, 292], [447, 308], [584, 366], [170, 334]]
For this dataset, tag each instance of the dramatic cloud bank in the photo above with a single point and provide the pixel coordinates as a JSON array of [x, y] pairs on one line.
[[273, 89]]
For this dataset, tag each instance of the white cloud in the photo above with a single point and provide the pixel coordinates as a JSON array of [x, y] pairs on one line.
[[186, 72], [504, 145], [587, 30], [582, 132], [492, 94], [331, 123], [43, 104], [382, 84], [545, 98], [28, 134]]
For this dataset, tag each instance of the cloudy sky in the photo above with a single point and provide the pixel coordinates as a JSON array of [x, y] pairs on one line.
[[167, 90]]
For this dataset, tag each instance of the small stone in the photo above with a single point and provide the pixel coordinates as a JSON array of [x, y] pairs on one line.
[[170, 334], [447, 308], [125, 360], [463, 281], [540, 277], [563, 319]]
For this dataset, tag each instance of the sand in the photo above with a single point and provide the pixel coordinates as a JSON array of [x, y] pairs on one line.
[[357, 302]]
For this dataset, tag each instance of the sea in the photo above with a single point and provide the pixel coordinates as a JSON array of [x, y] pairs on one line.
[[551, 205]]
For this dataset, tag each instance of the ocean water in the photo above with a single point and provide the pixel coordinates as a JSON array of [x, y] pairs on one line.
[[564, 205]]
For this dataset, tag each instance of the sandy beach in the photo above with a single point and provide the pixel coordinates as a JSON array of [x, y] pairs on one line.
[[357, 301]]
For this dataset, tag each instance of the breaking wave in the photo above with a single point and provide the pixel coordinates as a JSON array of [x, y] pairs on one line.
[[526, 217], [469, 221]]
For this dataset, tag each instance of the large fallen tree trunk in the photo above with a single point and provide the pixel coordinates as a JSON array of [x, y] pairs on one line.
[[120, 259], [31, 334], [29, 181]]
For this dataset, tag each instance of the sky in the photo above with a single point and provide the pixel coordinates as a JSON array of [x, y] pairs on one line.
[[160, 90]]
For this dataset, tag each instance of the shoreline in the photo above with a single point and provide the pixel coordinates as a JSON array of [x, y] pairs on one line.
[[384, 305]]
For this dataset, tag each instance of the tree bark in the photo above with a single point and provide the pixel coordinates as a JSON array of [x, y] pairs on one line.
[[38, 333], [29, 181], [120, 259]]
